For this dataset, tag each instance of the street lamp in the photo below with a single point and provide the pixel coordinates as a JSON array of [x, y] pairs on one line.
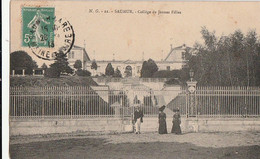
[[191, 74]]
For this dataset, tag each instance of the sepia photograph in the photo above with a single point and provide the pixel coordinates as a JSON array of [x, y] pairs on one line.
[[133, 79]]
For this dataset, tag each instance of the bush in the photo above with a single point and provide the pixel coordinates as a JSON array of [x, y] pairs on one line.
[[52, 73], [109, 70], [117, 73], [21, 60], [167, 74], [173, 81], [94, 65], [78, 65], [148, 68], [61, 64], [83, 73]]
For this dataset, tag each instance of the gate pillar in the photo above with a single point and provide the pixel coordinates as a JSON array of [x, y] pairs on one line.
[[191, 91]]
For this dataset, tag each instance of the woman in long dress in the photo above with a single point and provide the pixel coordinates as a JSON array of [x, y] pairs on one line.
[[162, 121], [176, 122]]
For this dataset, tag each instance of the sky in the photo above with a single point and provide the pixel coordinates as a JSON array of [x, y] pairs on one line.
[[129, 35]]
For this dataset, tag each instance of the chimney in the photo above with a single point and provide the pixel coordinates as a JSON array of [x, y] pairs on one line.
[[113, 57], [171, 46]]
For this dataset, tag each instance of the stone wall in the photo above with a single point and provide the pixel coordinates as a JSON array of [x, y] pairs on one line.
[[150, 124], [49, 126], [206, 124]]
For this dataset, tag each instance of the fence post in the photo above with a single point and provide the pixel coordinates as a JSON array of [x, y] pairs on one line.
[[23, 72], [218, 95], [192, 93], [246, 94], [187, 101], [71, 108], [43, 91]]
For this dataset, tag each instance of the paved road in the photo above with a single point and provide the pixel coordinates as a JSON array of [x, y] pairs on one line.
[[148, 145]]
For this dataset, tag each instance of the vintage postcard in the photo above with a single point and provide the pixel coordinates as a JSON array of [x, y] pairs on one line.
[[134, 79]]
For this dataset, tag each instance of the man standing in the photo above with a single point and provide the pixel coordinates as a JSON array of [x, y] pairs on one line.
[[138, 118]]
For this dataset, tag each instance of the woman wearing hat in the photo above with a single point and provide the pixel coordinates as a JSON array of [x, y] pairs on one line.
[[162, 121], [176, 122]]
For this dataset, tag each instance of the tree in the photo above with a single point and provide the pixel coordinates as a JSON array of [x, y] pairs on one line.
[[94, 65], [231, 60], [252, 49], [143, 69], [109, 70], [21, 60], [117, 73], [152, 66], [44, 66], [77, 65], [128, 71], [148, 68], [61, 64]]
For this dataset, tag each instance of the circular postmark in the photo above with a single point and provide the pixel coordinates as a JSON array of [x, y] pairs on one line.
[[47, 40]]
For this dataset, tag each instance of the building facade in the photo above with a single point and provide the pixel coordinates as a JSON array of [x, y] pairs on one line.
[[175, 60], [78, 53]]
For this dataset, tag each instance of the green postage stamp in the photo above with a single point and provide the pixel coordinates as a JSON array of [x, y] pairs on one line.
[[38, 26]]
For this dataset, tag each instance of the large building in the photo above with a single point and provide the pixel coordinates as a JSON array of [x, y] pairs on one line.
[[175, 60], [78, 53]]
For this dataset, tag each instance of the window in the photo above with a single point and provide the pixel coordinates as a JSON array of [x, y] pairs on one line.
[[183, 55], [69, 55], [168, 68]]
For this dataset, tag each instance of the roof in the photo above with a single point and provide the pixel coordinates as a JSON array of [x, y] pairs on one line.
[[182, 47], [85, 52], [130, 62], [81, 48]]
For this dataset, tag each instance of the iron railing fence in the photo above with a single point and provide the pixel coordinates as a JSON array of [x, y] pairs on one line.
[[228, 101], [76, 101], [219, 101], [84, 101]]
